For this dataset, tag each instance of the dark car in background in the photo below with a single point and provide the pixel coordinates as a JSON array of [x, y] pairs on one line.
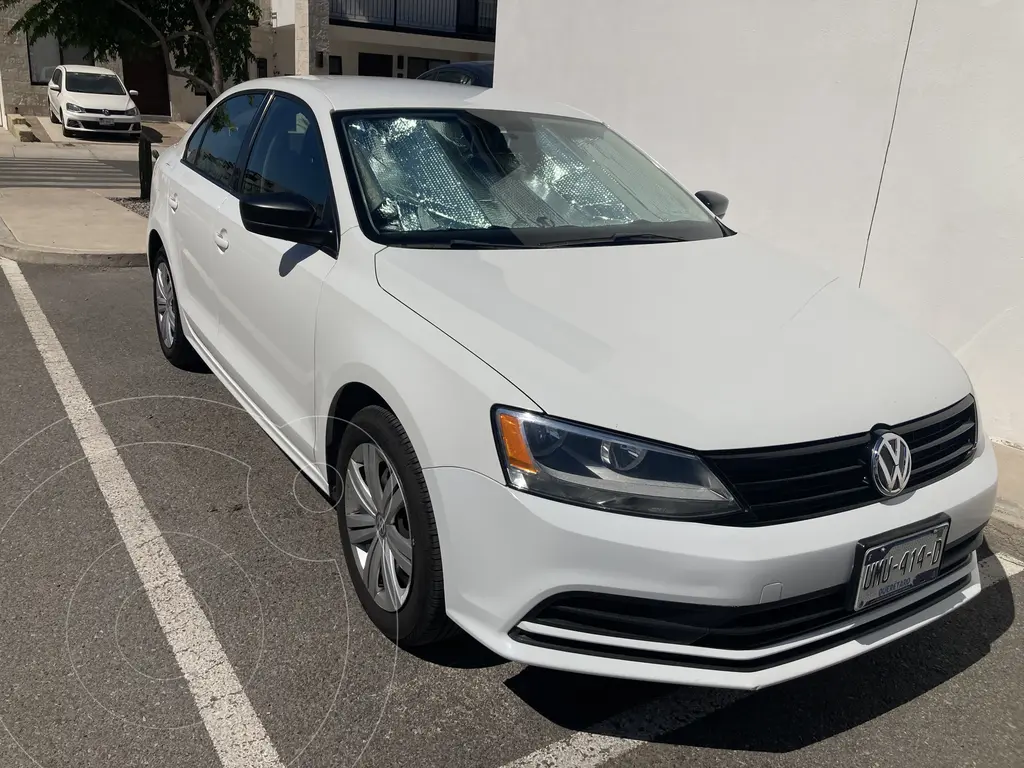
[[480, 73]]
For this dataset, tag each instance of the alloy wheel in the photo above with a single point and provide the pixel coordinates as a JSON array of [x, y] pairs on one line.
[[377, 522], [166, 305]]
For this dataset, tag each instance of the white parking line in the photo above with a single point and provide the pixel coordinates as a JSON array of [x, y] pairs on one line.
[[236, 731], [662, 716]]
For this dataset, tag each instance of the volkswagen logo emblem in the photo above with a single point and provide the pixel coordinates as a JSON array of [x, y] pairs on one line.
[[890, 464], [106, 111]]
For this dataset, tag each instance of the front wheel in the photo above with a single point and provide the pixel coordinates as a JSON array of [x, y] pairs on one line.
[[388, 532]]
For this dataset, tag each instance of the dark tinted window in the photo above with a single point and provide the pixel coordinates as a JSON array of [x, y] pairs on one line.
[[453, 76], [334, 65], [57, 77], [225, 132], [288, 156], [419, 65]]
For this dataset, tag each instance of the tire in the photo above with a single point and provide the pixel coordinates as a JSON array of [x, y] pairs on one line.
[[175, 346], [53, 116], [63, 127], [420, 619]]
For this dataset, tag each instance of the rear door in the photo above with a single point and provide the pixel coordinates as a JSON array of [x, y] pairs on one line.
[[270, 288], [203, 181]]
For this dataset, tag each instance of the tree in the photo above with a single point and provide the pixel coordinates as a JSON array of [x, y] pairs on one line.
[[204, 41]]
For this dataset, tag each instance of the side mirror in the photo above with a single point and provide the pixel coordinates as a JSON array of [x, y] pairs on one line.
[[716, 203], [54, 87], [285, 216], [133, 93]]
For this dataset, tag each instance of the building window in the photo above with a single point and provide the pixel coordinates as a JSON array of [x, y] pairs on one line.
[[261, 67], [417, 66], [376, 64], [334, 65], [46, 54]]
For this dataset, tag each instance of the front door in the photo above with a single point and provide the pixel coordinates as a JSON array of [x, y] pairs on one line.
[[197, 189], [147, 74], [270, 287]]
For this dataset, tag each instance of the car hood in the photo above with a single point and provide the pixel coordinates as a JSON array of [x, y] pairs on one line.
[[100, 100], [713, 344]]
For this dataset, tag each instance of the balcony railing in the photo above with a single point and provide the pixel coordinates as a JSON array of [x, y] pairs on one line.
[[453, 18]]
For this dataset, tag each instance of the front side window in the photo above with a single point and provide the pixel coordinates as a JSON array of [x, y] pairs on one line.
[[57, 77], [94, 82], [473, 178], [225, 131], [288, 156]]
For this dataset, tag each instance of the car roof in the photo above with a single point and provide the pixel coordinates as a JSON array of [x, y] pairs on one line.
[[345, 92], [86, 69]]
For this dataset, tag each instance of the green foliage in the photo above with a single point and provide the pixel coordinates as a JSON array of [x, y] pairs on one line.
[[120, 28]]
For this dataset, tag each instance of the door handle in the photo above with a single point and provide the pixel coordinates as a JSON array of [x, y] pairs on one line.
[[221, 239], [173, 202]]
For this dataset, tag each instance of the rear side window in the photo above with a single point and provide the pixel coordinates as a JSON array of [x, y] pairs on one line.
[[453, 76], [223, 136], [288, 156]]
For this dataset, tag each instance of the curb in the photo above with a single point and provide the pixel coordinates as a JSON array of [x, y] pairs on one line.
[[21, 129], [14, 250]]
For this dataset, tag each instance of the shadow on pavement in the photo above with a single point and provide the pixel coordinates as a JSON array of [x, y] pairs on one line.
[[799, 713], [460, 652]]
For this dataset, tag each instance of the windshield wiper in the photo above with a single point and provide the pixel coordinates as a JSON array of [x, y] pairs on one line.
[[619, 238], [481, 244]]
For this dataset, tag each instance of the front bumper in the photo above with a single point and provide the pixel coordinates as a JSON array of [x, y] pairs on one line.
[[505, 553]]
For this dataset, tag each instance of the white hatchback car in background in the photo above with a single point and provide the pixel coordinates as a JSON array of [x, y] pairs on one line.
[[87, 99], [557, 402]]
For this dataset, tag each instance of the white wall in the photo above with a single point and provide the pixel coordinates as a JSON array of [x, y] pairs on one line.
[[786, 108]]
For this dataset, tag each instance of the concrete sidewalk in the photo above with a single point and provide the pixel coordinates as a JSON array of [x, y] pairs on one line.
[[66, 226]]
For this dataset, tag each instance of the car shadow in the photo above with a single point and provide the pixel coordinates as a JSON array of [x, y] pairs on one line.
[[293, 257], [459, 652], [792, 715]]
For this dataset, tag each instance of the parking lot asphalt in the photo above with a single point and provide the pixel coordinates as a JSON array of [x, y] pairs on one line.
[[87, 676]]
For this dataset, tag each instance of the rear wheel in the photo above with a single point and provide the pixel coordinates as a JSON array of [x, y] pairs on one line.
[[388, 532], [173, 343]]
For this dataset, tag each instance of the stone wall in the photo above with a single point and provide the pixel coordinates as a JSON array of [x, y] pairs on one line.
[[20, 96], [312, 35]]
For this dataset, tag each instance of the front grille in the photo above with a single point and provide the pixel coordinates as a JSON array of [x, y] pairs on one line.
[[724, 627], [796, 482], [107, 112], [95, 126]]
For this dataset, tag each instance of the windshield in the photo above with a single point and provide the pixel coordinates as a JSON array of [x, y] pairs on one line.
[[476, 178], [92, 82]]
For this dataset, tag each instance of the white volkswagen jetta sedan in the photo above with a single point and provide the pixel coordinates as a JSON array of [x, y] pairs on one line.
[[557, 402], [87, 99]]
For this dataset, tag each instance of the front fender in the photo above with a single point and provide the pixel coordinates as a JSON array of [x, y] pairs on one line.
[[441, 392]]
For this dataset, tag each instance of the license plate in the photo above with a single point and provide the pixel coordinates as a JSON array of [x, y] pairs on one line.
[[106, 123], [887, 569]]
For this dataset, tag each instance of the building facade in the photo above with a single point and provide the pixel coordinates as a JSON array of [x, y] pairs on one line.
[[880, 144], [392, 38]]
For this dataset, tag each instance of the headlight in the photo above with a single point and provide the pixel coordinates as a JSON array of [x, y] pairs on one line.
[[132, 112], [564, 461], [73, 108]]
